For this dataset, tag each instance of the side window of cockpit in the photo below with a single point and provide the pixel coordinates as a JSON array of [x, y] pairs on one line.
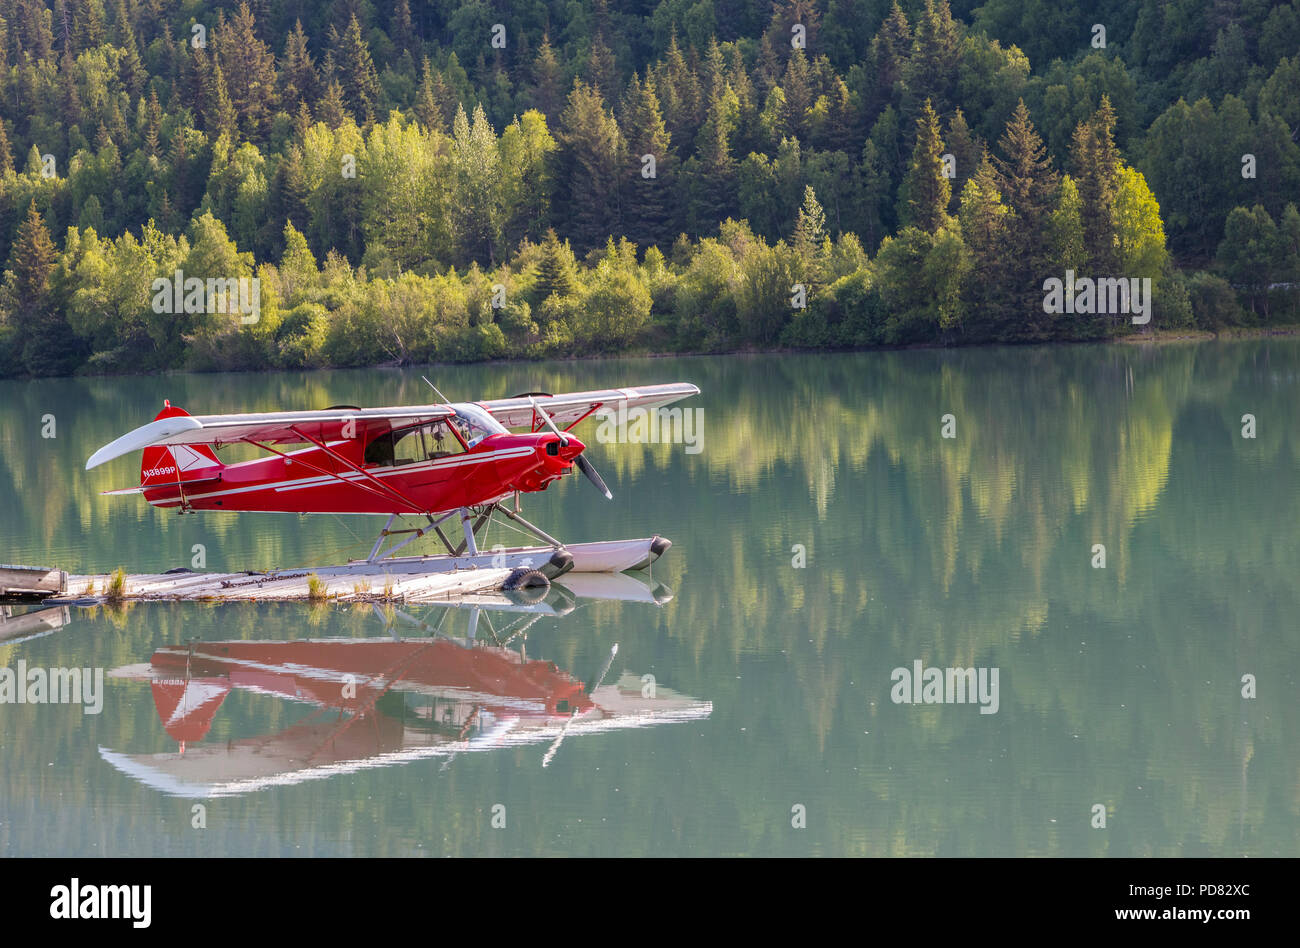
[[425, 443], [408, 446], [443, 442], [380, 450]]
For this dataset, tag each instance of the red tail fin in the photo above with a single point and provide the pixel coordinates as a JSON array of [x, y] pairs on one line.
[[160, 466]]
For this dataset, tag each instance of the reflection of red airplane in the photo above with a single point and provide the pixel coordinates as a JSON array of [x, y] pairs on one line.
[[376, 702], [427, 460], [351, 676]]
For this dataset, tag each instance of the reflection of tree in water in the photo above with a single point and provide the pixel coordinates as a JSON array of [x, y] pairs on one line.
[[1120, 686]]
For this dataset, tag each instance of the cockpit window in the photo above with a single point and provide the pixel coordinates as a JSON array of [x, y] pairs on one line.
[[475, 424], [412, 445]]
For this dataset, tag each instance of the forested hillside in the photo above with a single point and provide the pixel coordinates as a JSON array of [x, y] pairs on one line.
[[449, 180]]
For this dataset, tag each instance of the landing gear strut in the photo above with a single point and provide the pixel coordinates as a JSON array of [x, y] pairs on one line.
[[472, 522]]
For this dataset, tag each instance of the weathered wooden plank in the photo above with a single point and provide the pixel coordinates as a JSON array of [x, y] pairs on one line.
[[351, 583], [31, 581]]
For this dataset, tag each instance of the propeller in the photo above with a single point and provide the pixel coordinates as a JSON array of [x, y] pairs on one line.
[[550, 754], [585, 466], [588, 469]]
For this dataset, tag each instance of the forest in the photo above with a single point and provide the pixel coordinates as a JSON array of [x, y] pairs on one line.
[[461, 180]]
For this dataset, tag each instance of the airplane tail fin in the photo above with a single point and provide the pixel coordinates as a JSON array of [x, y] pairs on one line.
[[162, 465]]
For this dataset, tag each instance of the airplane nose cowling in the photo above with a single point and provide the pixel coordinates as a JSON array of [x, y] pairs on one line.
[[558, 453], [572, 449]]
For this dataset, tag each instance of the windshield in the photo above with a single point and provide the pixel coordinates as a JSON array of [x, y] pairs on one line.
[[475, 424]]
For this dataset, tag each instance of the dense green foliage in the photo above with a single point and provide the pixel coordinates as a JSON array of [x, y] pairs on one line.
[[468, 180]]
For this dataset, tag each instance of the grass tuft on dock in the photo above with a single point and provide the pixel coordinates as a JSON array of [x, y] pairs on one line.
[[317, 589], [115, 589]]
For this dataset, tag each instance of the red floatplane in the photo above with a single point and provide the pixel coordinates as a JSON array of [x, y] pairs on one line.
[[434, 462]]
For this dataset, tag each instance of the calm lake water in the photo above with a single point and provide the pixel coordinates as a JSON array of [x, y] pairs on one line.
[[825, 535]]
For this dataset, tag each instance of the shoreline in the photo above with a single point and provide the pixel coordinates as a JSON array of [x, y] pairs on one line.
[[1163, 336], [1158, 337]]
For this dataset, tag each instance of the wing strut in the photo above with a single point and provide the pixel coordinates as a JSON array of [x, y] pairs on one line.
[[321, 471], [596, 407]]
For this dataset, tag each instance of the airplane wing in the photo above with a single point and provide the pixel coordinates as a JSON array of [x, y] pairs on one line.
[[279, 427], [565, 410]]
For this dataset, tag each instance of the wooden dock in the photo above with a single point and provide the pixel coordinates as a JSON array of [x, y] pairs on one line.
[[354, 582], [31, 583], [393, 579]]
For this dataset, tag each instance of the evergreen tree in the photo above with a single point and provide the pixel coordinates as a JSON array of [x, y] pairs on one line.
[[6, 153], [357, 72], [48, 346], [713, 72], [875, 191], [344, 11], [712, 176], [554, 269], [589, 167], [965, 150], [288, 200], [302, 121], [984, 221], [32, 263], [842, 130], [649, 218], [798, 93], [931, 70], [88, 25], [168, 56], [69, 96], [402, 30], [679, 94], [548, 80], [810, 237], [220, 116], [785, 15], [602, 71], [1025, 175], [1028, 183], [154, 120], [768, 70], [331, 109], [34, 35], [298, 81], [121, 30], [984, 214], [1096, 164], [435, 104], [923, 198], [250, 66], [167, 218], [182, 183], [131, 69], [427, 109]]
